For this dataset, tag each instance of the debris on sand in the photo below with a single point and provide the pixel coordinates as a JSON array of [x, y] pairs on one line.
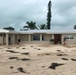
[[25, 59], [73, 59], [43, 54], [13, 58], [9, 48], [11, 51], [43, 66], [61, 54], [31, 46], [23, 48], [27, 53], [38, 49], [21, 69], [54, 65], [11, 67], [59, 50], [48, 54], [17, 47], [64, 59], [35, 48]]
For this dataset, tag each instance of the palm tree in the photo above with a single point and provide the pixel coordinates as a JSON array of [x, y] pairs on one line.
[[9, 28], [31, 25], [43, 26]]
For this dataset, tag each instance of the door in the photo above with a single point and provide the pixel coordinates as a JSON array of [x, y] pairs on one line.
[[57, 38]]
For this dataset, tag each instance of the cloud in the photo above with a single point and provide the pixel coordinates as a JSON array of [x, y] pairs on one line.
[[17, 12], [12, 25], [63, 13]]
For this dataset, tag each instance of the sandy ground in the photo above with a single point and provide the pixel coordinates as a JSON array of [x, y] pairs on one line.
[[36, 59]]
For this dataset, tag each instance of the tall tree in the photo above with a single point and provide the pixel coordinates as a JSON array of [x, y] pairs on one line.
[[42, 26], [9, 28], [49, 15], [31, 25]]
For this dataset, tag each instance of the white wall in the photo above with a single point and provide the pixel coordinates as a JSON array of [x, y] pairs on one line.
[[69, 41], [1, 39], [24, 37], [47, 37]]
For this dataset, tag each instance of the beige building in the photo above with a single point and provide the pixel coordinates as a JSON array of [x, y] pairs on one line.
[[37, 36]]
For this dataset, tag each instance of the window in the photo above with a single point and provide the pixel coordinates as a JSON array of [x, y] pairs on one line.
[[36, 37], [66, 37], [69, 37]]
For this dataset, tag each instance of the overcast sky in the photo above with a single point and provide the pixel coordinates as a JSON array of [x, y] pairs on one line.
[[16, 13]]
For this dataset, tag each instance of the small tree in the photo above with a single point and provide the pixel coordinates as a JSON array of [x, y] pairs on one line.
[[9, 28], [43, 26]]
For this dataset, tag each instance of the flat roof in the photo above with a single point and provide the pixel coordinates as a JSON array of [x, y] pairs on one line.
[[40, 31], [7, 31], [3, 31], [48, 31]]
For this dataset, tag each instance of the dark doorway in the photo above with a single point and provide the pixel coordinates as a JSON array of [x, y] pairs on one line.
[[57, 38], [36, 37]]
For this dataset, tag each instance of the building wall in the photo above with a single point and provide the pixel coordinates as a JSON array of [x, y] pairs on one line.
[[31, 37], [69, 41], [16, 38], [11, 38], [4, 38], [35, 42], [47, 37], [1, 39], [24, 37]]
